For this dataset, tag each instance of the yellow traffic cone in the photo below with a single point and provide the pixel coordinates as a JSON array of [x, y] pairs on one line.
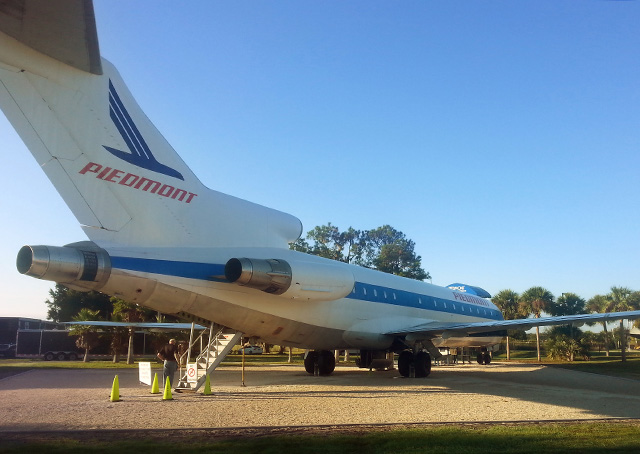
[[115, 390], [167, 390], [155, 389], [207, 386]]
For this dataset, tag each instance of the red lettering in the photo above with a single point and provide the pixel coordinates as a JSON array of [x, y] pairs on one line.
[[163, 191], [127, 177], [114, 174], [103, 173], [91, 167], [181, 193], [137, 182], [154, 185]]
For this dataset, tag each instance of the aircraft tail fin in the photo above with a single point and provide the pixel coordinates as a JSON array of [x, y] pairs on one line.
[[122, 180]]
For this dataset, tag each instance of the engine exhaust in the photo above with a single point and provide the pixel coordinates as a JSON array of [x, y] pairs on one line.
[[68, 264]]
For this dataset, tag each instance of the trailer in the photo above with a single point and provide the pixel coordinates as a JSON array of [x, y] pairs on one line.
[[48, 344]]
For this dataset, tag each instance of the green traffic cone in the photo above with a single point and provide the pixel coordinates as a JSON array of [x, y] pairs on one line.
[[155, 389], [207, 386], [167, 390], [115, 390]]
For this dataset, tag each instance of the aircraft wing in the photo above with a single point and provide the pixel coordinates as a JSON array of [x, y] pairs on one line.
[[442, 329], [167, 326]]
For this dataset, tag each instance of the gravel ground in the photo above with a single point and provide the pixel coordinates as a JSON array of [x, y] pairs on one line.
[[282, 396]]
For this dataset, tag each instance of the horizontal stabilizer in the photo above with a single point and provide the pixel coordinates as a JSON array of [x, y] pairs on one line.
[[62, 29]]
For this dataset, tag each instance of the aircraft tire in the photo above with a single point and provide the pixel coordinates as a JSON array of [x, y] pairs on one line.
[[405, 359], [310, 362], [480, 358], [326, 362], [423, 364], [487, 357]]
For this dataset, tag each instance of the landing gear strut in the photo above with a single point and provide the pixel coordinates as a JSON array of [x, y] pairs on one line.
[[418, 363], [320, 362]]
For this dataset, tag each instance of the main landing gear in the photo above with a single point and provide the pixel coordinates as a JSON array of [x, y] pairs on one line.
[[321, 362], [414, 364], [484, 357]]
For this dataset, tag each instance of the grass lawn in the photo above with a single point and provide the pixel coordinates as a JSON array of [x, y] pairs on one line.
[[533, 438]]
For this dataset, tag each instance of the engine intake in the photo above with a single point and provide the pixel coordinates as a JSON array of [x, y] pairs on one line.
[[83, 264]]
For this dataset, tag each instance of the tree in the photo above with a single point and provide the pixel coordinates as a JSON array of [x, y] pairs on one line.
[[66, 303], [329, 242], [132, 313], [533, 302], [507, 302], [564, 347], [385, 249], [567, 304], [599, 304], [87, 335], [620, 300]]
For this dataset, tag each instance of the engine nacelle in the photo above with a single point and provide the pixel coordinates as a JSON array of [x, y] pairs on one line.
[[81, 263], [297, 280]]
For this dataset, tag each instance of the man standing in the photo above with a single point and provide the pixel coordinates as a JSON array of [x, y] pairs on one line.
[[169, 354]]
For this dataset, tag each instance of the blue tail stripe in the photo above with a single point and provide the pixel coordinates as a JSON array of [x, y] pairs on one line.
[[140, 154], [117, 121], [128, 122]]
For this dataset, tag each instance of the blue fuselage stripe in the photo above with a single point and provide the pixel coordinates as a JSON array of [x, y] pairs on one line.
[[190, 270], [361, 291], [386, 295]]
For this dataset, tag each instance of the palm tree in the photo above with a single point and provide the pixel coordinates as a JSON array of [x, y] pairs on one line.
[[620, 300], [87, 334], [599, 304], [533, 302], [567, 304], [131, 313], [507, 302]]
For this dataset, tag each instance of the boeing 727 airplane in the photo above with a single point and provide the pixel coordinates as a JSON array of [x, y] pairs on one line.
[[158, 237]]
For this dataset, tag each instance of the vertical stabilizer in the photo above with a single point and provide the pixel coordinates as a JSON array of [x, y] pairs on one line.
[[120, 177]]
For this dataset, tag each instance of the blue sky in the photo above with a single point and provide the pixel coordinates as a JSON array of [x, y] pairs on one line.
[[502, 137]]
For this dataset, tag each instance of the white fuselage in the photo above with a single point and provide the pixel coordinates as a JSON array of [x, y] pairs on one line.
[[193, 282]]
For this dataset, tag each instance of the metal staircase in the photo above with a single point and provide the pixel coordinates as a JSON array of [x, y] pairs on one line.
[[220, 344]]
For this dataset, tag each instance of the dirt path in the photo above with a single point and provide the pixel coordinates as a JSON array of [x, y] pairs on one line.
[[285, 396]]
